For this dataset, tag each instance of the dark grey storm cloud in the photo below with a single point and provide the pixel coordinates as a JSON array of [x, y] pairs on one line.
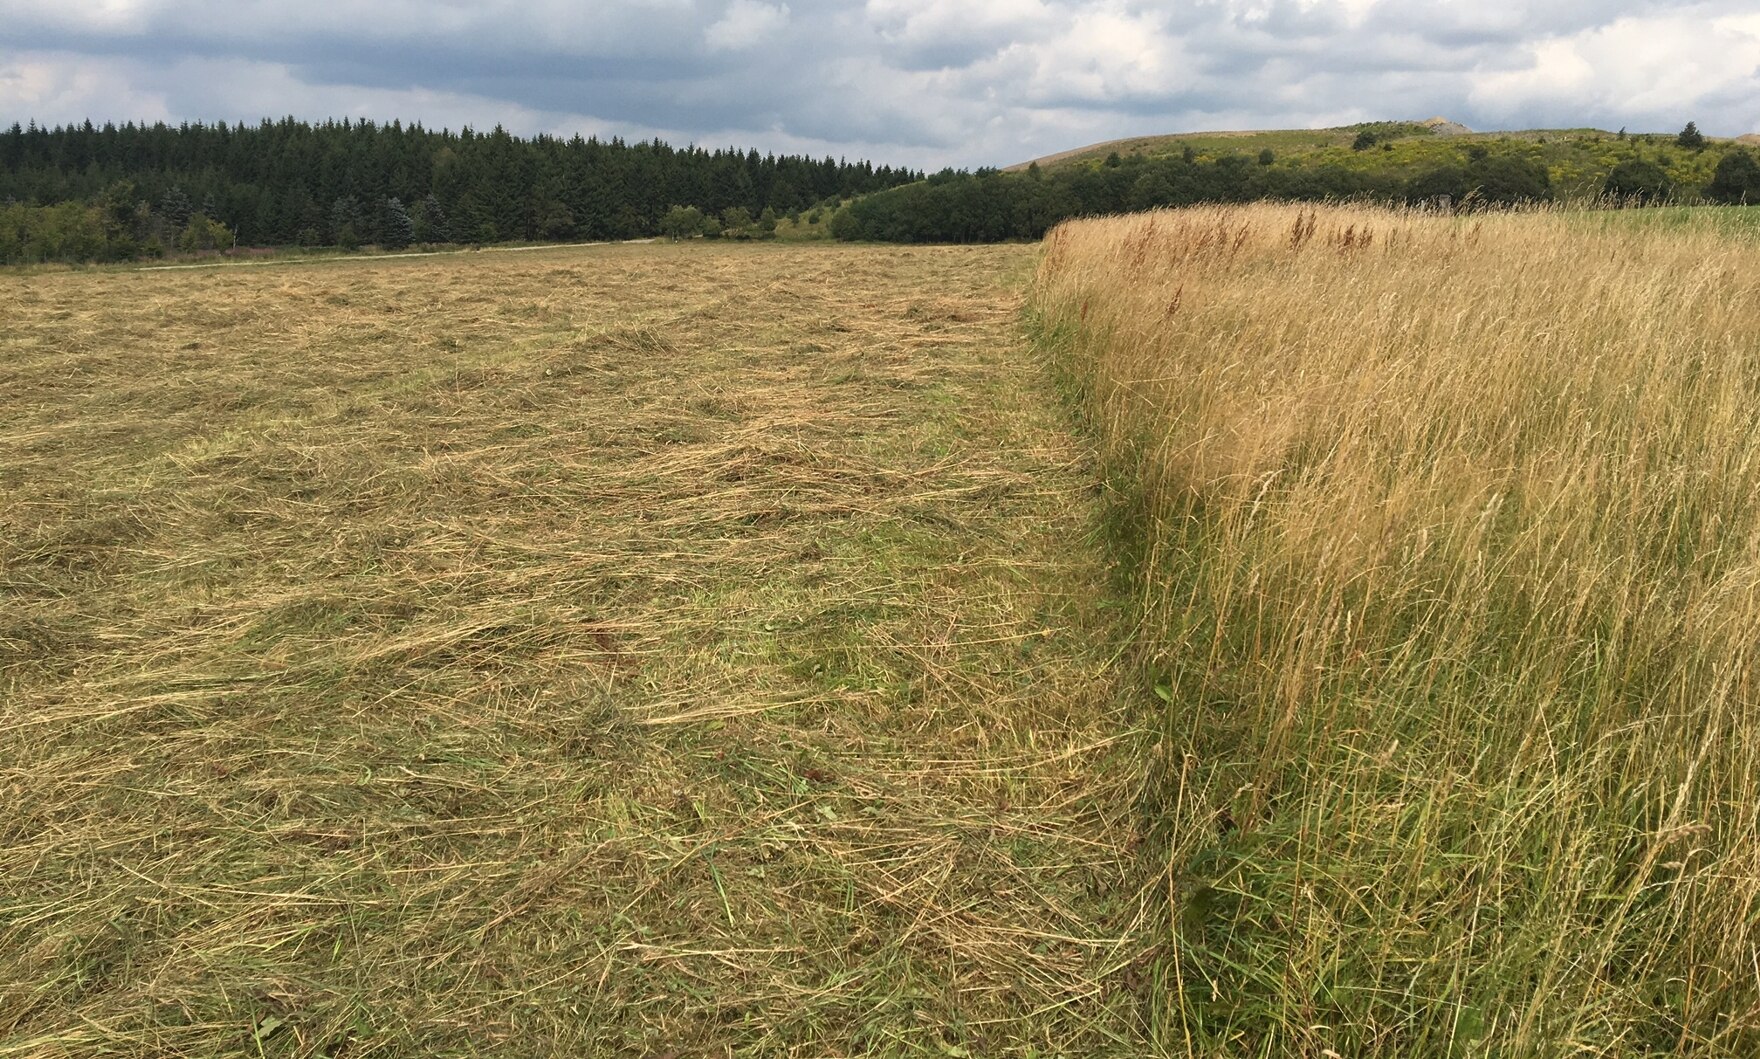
[[928, 82]]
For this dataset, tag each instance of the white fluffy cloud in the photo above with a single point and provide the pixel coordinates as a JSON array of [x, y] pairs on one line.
[[924, 82], [58, 87], [1641, 70], [746, 23]]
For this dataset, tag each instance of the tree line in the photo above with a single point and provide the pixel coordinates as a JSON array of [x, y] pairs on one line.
[[85, 192], [990, 206]]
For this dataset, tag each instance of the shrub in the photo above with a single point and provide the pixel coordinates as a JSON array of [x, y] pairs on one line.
[[1510, 178], [1443, 182], [1737, 178], [1638, 181], [734, 221], [681, 222], [204, 234]]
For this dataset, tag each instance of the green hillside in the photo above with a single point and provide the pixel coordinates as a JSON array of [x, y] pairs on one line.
[[1221, 143], [1577, 160]]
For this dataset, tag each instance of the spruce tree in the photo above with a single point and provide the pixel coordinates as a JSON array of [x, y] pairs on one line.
[[396, 229], [176, 209], [345, 222], [429, 219]]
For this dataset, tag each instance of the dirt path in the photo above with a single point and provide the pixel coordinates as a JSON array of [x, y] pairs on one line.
[[671, 650]]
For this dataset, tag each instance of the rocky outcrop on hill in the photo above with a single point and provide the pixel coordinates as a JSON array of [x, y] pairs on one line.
[[1443, 127]]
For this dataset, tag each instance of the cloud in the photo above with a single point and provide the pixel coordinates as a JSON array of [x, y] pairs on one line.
[[58, 87], [920, 82], [940, 34], [747, 22], [1647, 70]]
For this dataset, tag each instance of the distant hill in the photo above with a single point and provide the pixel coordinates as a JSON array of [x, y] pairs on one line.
[[1437, 163], [1243, 142], [1577, 160]]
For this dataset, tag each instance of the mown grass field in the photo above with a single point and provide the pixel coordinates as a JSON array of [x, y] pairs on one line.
[[705, 649], [656, 650], [1447, 537]]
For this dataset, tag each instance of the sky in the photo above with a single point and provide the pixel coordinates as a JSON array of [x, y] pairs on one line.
[[925, 83]]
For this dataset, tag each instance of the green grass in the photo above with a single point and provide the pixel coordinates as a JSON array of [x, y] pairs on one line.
[[1731, 221], [806, 228]]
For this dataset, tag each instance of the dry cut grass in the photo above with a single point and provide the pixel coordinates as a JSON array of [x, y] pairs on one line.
[[661, 650], [1449, 541]]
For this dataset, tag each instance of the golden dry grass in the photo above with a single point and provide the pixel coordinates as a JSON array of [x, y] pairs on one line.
[[662, 650], [1449, 536]]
